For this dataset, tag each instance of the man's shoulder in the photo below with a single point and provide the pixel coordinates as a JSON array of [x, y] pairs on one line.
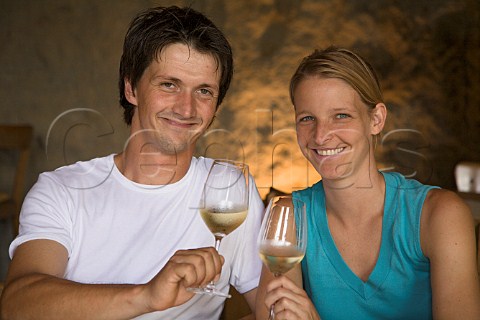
[[82, 173], [202, 164]]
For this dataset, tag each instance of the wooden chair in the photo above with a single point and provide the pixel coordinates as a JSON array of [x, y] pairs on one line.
[[478, 247], [16, 139], [236, 308]]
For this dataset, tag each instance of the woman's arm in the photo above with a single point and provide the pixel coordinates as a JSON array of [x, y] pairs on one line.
[[448, 240]]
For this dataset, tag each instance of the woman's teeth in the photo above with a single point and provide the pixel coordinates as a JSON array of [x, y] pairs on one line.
[[329, 152]]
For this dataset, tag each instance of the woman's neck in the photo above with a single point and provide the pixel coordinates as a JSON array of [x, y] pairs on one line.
[[360, 200]]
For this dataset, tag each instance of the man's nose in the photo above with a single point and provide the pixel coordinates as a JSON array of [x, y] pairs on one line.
[[185, 105]]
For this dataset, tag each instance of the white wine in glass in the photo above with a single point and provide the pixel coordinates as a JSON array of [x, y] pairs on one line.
[[224, 205], [283, 236]]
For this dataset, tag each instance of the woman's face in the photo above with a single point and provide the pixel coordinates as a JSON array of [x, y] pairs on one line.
[[334, 127]]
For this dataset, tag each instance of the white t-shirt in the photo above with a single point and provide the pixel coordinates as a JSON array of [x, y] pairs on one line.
[[119, 231]]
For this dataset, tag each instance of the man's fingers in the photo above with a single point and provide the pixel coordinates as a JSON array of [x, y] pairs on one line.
[[199, 266]]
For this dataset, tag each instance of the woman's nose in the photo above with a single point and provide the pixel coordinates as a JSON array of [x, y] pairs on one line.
[[323, 133]]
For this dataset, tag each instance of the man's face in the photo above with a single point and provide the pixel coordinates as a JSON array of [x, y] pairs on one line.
[[175, 99]]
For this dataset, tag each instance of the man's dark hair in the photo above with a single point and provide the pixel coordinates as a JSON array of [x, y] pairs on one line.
[[154, 29]]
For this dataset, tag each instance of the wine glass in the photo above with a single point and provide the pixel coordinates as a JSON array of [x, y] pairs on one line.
[[283, 236], [224, 205]]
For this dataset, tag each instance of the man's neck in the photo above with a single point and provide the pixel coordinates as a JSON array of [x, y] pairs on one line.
[[152, 168]]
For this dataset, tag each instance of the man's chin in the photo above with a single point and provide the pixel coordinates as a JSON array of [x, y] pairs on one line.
[[174, 148], [171, 145]]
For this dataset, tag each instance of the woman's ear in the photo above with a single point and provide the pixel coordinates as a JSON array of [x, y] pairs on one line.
[[130, 92], [378, 116]]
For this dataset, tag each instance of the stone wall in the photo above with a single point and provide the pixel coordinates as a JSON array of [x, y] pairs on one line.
[[59, 62]]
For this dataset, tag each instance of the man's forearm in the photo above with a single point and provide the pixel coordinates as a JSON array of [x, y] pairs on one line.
[[46, 297]]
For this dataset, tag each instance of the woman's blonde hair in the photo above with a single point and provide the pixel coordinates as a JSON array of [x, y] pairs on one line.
[[342, 64]]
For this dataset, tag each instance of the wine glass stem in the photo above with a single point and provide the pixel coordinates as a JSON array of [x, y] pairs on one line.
[[211, 285], [272, 313], [217, 243]]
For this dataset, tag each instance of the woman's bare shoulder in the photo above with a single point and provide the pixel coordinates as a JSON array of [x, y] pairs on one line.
[[444, 216]]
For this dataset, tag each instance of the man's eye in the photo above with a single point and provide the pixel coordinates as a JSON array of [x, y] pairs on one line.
[[204, 91], [168, 85], [307, 118]]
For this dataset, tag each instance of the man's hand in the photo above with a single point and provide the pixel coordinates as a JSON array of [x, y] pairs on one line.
[[186, 268]]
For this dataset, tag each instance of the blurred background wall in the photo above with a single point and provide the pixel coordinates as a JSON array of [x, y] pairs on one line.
[[59, 65]]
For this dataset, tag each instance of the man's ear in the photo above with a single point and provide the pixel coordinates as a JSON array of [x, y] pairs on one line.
[[130, 92], [378, 116]]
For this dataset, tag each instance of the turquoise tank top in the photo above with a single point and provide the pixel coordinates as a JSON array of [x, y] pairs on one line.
[[399, 285]]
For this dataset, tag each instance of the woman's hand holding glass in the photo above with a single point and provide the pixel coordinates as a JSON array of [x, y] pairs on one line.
[[289, 301]]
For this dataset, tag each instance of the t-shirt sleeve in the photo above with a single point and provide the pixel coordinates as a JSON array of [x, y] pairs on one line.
[[45, 214], [247, 265]]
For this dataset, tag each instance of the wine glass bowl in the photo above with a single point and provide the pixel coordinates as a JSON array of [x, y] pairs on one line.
[[225, 197], [280, 257]]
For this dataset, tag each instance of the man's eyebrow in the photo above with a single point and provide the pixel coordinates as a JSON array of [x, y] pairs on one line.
[[164, 77], [214, 86], [209, 85]]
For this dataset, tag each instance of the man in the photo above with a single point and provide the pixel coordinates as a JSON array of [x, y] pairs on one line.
[[120, 237]]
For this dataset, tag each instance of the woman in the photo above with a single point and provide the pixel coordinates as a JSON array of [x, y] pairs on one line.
[[380, 246]]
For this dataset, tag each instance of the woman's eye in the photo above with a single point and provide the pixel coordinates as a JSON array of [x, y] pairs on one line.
[[342, 116]]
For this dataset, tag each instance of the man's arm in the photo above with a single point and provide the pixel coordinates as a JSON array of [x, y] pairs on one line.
[[35, 288], [448, 240]]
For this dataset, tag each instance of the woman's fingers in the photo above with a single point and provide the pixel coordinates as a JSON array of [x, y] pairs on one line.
[[290, 301]]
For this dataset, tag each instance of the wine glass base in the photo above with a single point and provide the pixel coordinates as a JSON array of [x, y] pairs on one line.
[[209, 291]]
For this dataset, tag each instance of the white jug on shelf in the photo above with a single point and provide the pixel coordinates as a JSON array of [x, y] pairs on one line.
[[467, 176]]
